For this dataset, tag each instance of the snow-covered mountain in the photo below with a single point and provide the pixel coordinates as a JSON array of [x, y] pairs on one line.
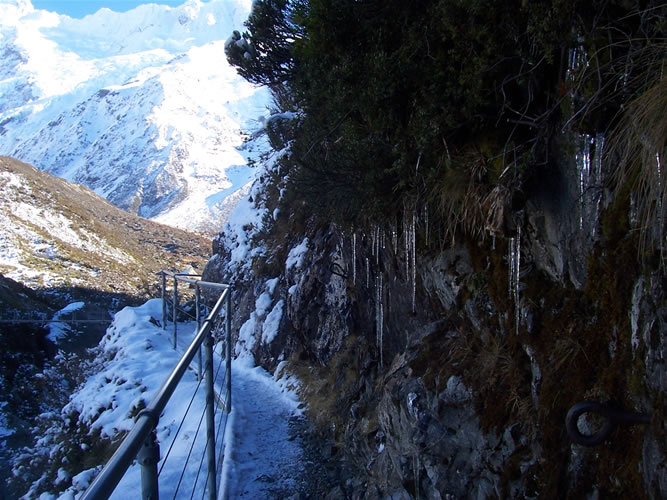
[[140, 106]]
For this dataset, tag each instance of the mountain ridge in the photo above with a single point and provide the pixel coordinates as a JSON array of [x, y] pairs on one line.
[[142, 106]]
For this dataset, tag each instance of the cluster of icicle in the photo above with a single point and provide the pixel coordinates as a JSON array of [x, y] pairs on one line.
[[588, 159], [379, 238], [588, 156]]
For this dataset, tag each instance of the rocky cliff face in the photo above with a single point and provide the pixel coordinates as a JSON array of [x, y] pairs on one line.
[[445, 369]]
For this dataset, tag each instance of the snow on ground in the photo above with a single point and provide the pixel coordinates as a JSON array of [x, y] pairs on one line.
[[246, 220], [261, 459], [58, 331], [40, 229], [296, 255], [5, 429], [264, 462], [139, 358]]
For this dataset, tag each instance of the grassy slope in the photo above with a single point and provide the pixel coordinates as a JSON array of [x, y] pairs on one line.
[[118, 252]]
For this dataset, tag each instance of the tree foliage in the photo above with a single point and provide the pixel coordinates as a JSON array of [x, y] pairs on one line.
[[442, 101], [263, 53]]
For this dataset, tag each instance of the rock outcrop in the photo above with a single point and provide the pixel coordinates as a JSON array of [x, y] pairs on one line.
[[443, 369]]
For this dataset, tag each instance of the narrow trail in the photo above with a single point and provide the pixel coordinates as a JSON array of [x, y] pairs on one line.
[[265, 456]]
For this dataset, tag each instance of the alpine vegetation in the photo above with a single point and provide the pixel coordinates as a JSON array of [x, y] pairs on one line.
[[475, 192]]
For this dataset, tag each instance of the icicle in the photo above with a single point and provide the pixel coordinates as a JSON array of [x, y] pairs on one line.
[[597, 182], [354, 258], [572, 60], [381, 322], [511, 262], [576, 59], [583, 161], [660, 207], [658, 165], [517, 309], [426, 224], [368, 274], [406, 237], [373, 241], [589, 175], [514, 258], [379, 314], [377, 245], [414, 266], [597, 164]]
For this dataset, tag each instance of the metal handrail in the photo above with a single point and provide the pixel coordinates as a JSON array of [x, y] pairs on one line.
[[174, 303], [142, 440], [180, 277]]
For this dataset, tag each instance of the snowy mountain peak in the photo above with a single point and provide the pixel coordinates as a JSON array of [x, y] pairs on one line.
[[140, 106]]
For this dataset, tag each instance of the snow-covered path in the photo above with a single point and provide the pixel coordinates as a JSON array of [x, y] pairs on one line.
[[264, 460], [263, 456]]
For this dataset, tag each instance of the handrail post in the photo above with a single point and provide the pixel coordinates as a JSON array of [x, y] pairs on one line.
[[198, 318], [173, 317], [148, 457], [164, 300], [210, 418], [228, 351]]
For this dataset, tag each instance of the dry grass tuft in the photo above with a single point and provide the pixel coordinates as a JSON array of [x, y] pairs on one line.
[[636, 152], [460, 193]]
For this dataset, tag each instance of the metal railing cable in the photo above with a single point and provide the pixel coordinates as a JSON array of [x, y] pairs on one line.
[[201, 463], [177, 433], [222, 427], [187, 459], [141, 442], [203, 455], [205, 485], [180, 426]]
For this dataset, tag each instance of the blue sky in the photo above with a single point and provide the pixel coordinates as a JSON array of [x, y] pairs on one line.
[[80, 8]]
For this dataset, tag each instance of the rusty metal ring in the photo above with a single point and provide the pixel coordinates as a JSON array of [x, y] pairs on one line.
[[611, 416], [573, 429]]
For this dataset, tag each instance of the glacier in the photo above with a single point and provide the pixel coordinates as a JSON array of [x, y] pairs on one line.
[[141, 106]]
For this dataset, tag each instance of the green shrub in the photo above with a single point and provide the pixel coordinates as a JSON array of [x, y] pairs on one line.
[[395, 95]]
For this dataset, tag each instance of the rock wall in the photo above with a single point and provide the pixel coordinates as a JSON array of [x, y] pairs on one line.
[[442, 369]]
